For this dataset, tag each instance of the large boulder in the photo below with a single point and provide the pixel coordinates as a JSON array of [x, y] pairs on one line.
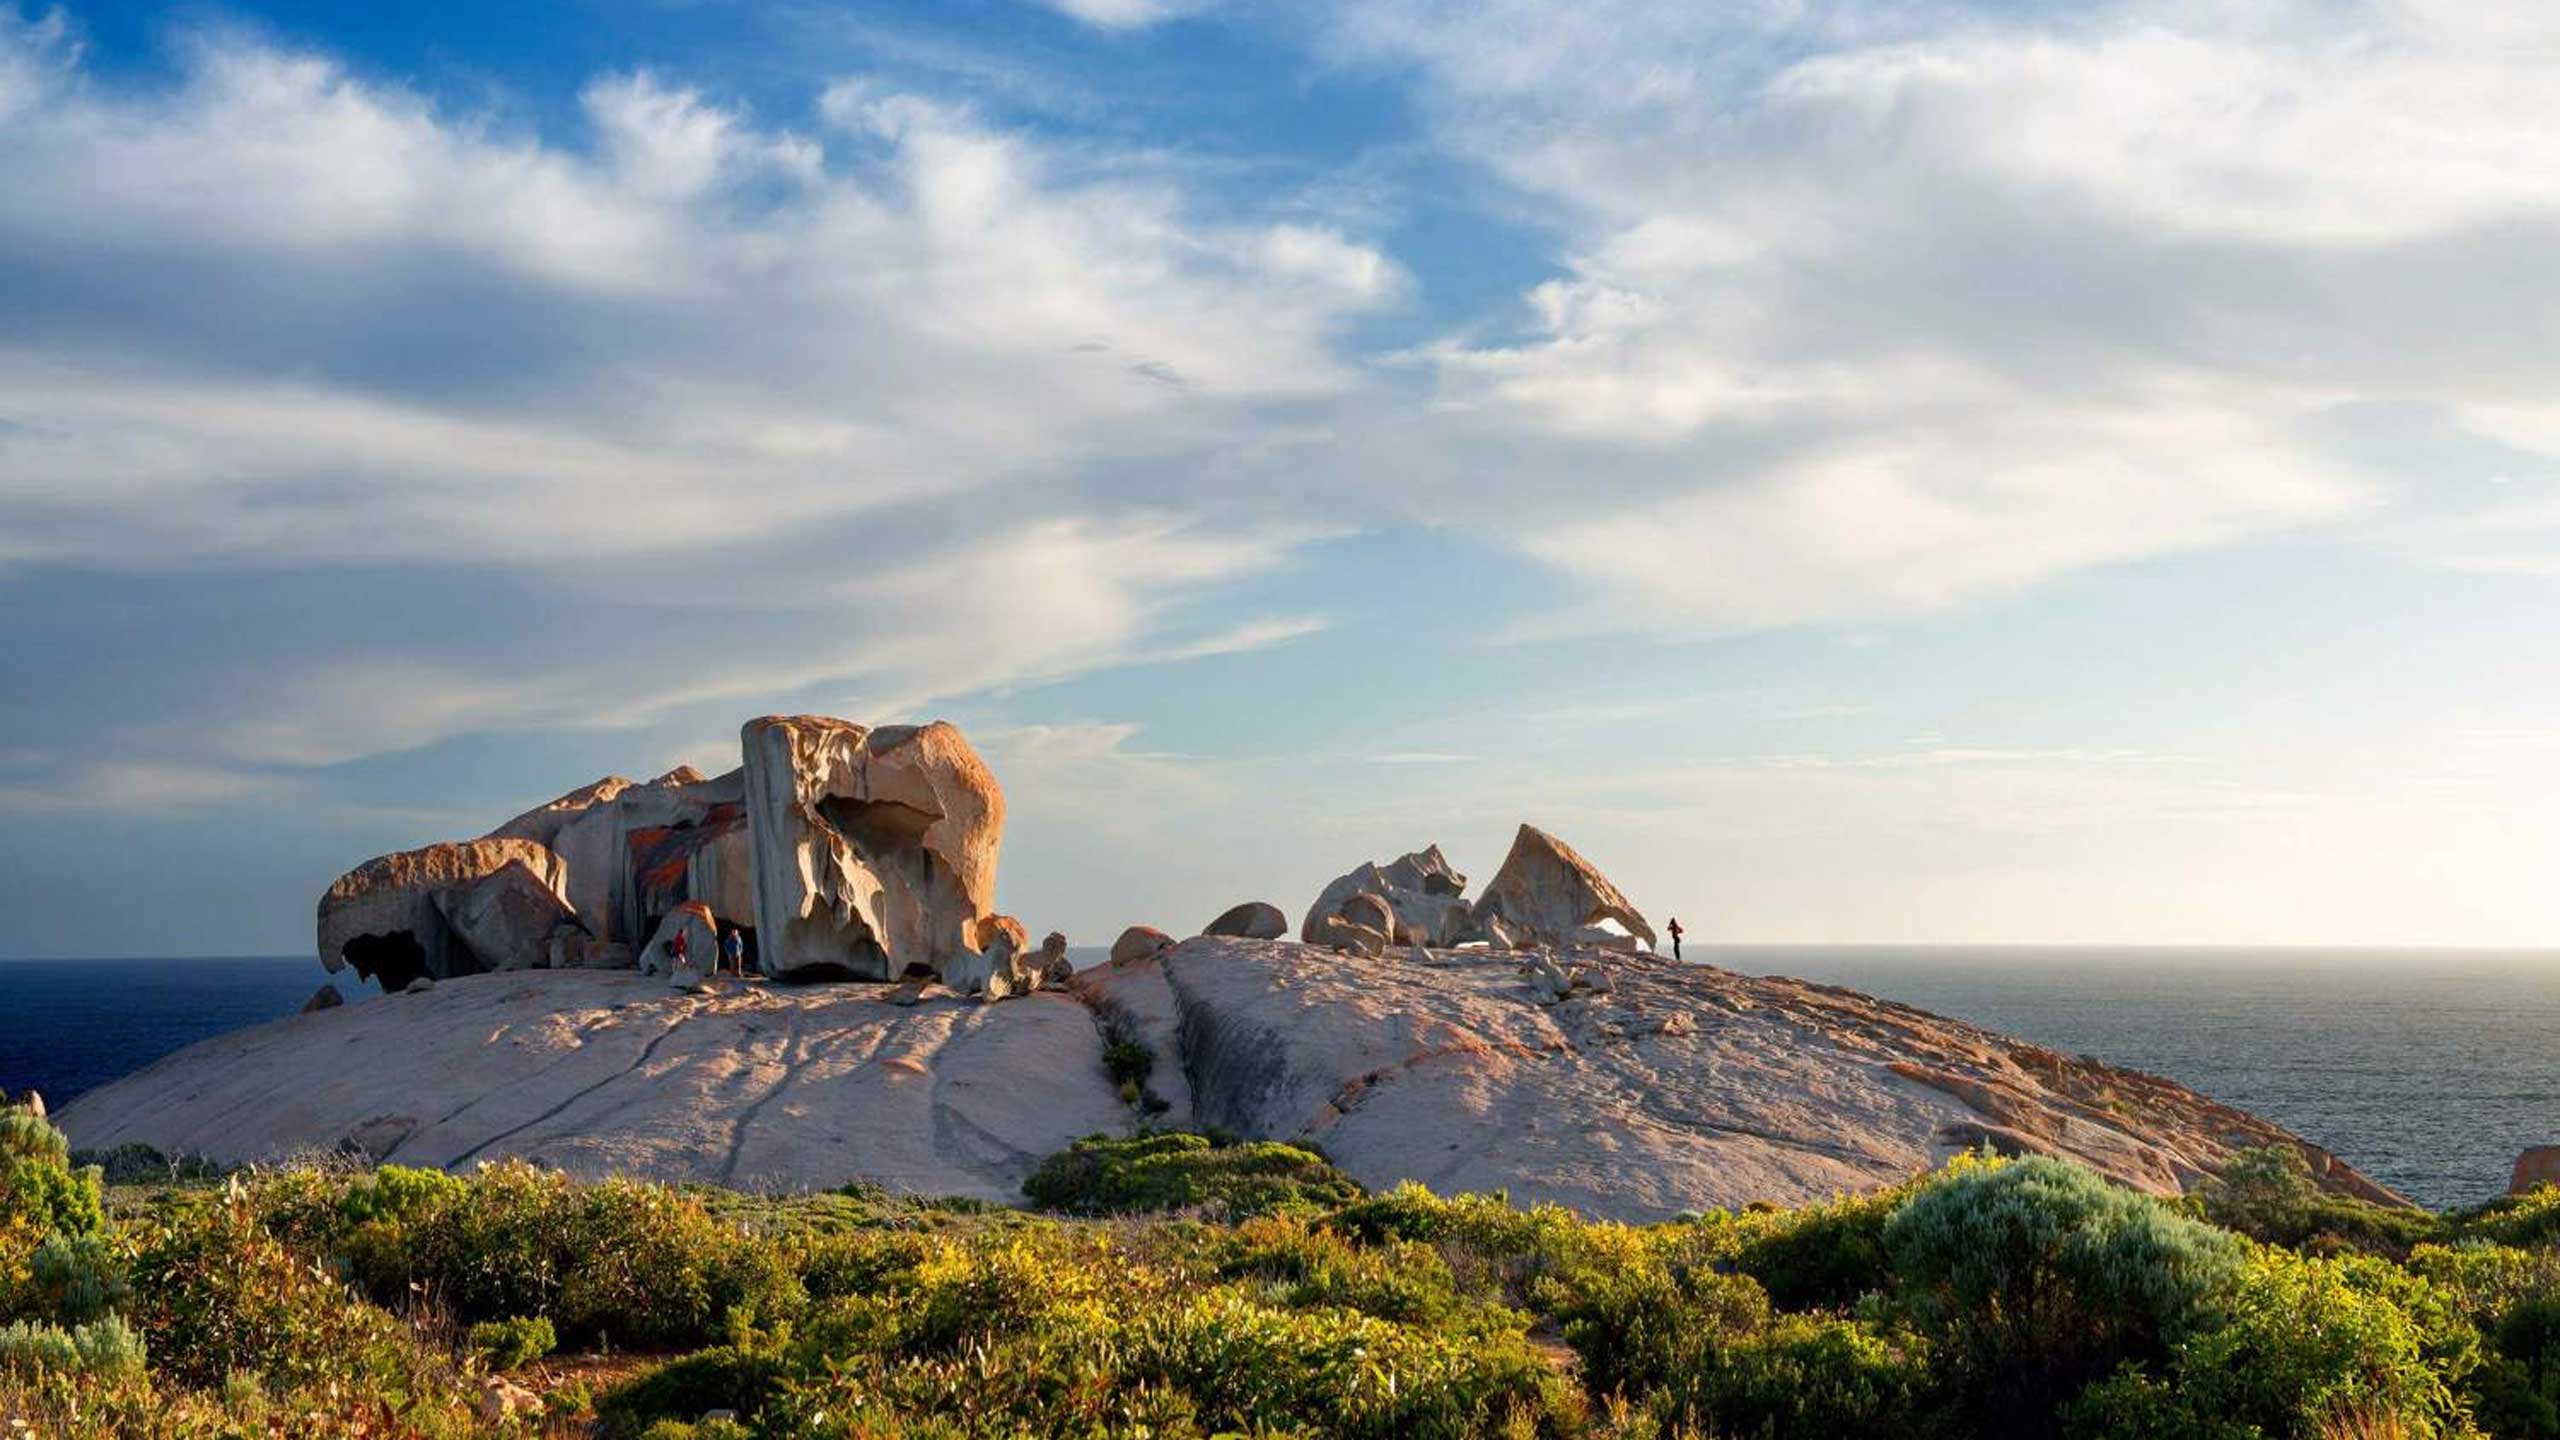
[[383, 917], [701, 934], [1139, 942], [507, 918], [678, 838], [1547, 894], [1252, 920], [2536, 1168], [1423, 892], [874, 850]]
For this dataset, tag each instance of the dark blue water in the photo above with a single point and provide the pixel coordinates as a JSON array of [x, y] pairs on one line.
[[71, 1025], [2428, 1070]]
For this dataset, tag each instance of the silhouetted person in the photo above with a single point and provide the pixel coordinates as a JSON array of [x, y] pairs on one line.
[[1674, 929], [733, 948]]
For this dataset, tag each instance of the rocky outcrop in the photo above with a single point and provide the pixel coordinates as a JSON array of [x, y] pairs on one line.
[[1547, 894], [2535, 1168], [1252, 920], [383, 917], [1636, 1087], [324, 998], [1421, 895], [874, 850], [610, 1073]]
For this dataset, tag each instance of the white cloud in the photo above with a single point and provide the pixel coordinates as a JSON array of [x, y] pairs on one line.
[[1126, 14], [1875, 308]]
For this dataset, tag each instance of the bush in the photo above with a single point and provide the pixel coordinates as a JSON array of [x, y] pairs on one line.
[[73, 1279], [106, 1349], [728, 1378], [1175, 1170], [40, 1193], [2300, 1348], [2036, 1277], [1801, 1376], [514, 1343], [1819, 1257], [2267, 1193]]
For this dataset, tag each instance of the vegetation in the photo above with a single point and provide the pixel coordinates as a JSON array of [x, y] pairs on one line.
[[1205, 1287]]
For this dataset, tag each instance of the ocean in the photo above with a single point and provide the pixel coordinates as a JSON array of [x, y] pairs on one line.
[[2428, 1070]]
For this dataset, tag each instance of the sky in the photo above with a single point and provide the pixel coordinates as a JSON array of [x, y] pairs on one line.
[[1861, 470]]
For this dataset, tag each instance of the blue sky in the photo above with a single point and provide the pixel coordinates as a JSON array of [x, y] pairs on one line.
[[1862, 470]]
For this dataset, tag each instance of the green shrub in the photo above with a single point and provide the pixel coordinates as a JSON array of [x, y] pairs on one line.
[[73, 1279], [40, 1193], [1301, 1265], [2036, 1276], [1802, 1375], [2298, 1347], [513, 1343], [1175, 1170], [1128, 1062], [2517, 1391], [1821, 1256], [2529, 1221], [216, 1294], [727, 1378], [2267, 1193]]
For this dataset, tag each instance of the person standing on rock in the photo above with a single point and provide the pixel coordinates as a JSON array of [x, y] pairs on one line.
[[1673, 929], [733, 949]]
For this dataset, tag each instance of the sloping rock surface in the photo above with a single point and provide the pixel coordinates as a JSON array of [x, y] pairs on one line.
[[1675, 1087], [597, 1072]]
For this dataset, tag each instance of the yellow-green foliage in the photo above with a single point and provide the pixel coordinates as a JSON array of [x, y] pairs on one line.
[[1993, 1298], [1175, 1170]]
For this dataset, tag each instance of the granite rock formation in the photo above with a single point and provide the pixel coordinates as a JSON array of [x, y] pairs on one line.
[[1547, 894], [874, 850], [2535, 1168], [1633, 1086], [383, 918], [1421, 894]]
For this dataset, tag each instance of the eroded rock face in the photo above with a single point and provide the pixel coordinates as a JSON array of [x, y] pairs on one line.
[[383, 917], [506, 918], [1252, 920], [1422, 893], [2536, 1168], [874, 850], [1547, 894], [1635, 1087]]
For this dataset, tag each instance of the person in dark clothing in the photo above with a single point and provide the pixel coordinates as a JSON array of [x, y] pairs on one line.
[[1674, 929], [733, 949]]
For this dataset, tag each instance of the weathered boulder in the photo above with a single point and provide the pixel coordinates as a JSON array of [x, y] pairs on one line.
[[2536, 1168], [507, 917], [692, 920], [383, 917], [543, 823], [1252, 920], [324, 998], [1139, 942], [1634, 1087], [999, 966], [1547, 894], [873, 850], [1055, 967], [1422, 892], [1369, 911], [1348, 935]]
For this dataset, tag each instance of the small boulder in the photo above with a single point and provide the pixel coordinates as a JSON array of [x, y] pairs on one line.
[[1054, 966], [1351, 936], [2535, 1168], [1370, 910], [1252, 920], [324, 998], [1139, 942], [701, 933]]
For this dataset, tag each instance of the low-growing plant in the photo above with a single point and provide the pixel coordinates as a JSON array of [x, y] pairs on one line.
[[513, 1343], [1177, 1170]]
